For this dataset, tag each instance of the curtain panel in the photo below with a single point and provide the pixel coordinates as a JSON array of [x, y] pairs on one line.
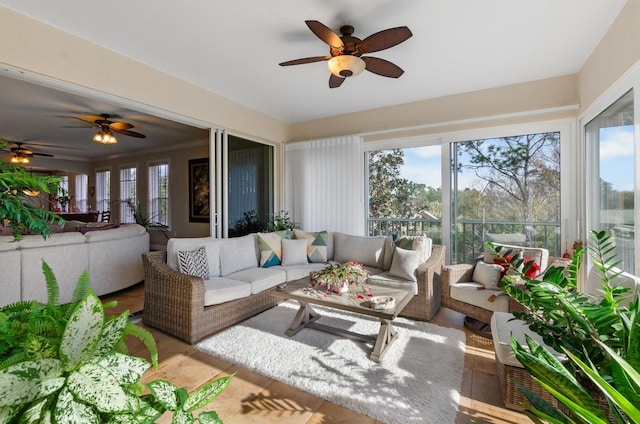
[[324, 184]]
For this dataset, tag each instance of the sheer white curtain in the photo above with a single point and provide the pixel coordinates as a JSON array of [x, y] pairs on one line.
[[324, 184]]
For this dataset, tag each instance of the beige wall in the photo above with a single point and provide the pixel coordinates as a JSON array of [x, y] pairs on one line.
[[178, 186], [30, 45], [616, 53]]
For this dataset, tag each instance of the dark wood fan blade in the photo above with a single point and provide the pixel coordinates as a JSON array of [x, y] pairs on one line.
[[89, 119], [382, 67], [325, 34], [305, 60], [42, 154], [129, 133], [384, 39], [120, 125], [335, 82]]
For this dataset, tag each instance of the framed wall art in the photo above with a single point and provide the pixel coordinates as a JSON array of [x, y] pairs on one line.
[[199, 202]]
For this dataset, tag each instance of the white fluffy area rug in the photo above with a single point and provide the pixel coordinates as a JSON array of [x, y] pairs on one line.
[[418, 380]]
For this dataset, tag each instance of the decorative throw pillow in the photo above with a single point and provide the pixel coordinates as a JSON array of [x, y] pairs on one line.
[[487, 274], [194, 262], [294, 252], [317, 246], [420, 244], [270, 245], [532, 270], [404, 264]]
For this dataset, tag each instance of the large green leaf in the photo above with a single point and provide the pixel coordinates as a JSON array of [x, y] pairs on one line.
[[124, 368], [209, 417], [35, 412], [7, 413], [206, 394], [94, 385], [69, 411], [165, 394], [82, 333], [27, 381], [112, 333], [182, 417]]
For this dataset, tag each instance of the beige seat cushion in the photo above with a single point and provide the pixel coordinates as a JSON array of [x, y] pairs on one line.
[[474, 294]]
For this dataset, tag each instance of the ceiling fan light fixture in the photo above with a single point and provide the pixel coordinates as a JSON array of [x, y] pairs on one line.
[[19, 159], [105, 137], [344, 66]]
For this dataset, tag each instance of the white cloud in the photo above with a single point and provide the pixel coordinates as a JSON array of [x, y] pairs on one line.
[[429, 174], [426, 152], [616, 142]]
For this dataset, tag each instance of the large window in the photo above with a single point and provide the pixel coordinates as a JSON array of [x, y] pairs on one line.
[[81, 201], [159, 194], [128, 193], [610, 139], [505, 190], [405, 192], [103, 190]]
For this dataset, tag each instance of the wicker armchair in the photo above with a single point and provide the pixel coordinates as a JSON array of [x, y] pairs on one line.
[[174, 302], [427, 302]]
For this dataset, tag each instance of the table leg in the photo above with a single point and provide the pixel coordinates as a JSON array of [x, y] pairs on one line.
[[386, 336], [305, 316]]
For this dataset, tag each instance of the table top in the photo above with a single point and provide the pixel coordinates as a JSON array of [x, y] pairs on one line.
[[301, 291]]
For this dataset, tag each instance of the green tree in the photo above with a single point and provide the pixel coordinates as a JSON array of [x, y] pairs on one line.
[[389, 194]]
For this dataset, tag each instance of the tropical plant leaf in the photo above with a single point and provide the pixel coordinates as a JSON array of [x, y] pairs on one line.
[[209, 417], [7, 413], [35, 412], [165, 394], [112, 333], [83, 285], [182, 417], [125, 369], [145, 337], [206, 393], [82, 333], [585, 413], [93, 384], [27, 381], [53, 291], [68, 410]]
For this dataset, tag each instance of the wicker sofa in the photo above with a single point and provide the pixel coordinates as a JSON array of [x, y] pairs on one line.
[[183, 305]]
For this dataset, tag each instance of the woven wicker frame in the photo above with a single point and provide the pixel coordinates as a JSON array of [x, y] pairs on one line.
[[512, 396], [174, 302], [452, 274]]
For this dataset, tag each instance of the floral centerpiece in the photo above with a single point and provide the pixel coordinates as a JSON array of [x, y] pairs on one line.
[[347, 277]]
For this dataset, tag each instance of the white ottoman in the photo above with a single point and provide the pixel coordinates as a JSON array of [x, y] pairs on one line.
[[508, 368]]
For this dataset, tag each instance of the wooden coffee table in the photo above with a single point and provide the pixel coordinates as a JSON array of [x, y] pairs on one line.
[[306, 317]]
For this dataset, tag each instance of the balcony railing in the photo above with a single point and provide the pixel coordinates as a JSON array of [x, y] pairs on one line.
[[468, 236]]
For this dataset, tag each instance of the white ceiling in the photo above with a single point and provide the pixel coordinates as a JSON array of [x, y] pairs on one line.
[[233, 47]]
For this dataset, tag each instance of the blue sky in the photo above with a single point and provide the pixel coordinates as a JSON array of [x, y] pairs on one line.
[[422, 164]]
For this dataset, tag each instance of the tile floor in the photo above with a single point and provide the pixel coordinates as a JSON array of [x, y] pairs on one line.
[[252, 398]]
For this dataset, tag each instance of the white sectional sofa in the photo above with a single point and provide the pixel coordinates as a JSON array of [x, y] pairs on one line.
[[113, 258], [235, 283]]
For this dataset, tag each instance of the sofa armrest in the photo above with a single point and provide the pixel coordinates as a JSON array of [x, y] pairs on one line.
[[426, 303], [168, 293]]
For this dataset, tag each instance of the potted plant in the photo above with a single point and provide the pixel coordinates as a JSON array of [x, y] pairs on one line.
[[347, 277], [68, 363], [602, 332]]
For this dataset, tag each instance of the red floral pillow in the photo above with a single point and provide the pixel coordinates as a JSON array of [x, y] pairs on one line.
[[533, 270]]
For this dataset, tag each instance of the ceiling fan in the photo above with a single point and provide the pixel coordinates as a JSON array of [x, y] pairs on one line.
[[22, 155], [346, 52], [107, 127]]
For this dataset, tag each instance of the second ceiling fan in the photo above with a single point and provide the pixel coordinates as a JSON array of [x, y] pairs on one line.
[[346, 52]]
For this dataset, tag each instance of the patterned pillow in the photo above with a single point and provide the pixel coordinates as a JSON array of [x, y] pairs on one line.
[[421, 244], [194, 262], [270, 246], [317, 245]]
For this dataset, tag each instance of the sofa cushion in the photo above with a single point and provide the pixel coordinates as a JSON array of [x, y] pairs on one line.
[[475, 294], [296, 272], [237, 254], [405, 263], [386, 280], [8, 243], [365, 250], [59, 239], [100, 227], [213, 252], [420, 244], [294, 252], [487, 274], [260, 278], [503, 326], [194, 262], [270, 246], [317, 245], [220, 290]]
